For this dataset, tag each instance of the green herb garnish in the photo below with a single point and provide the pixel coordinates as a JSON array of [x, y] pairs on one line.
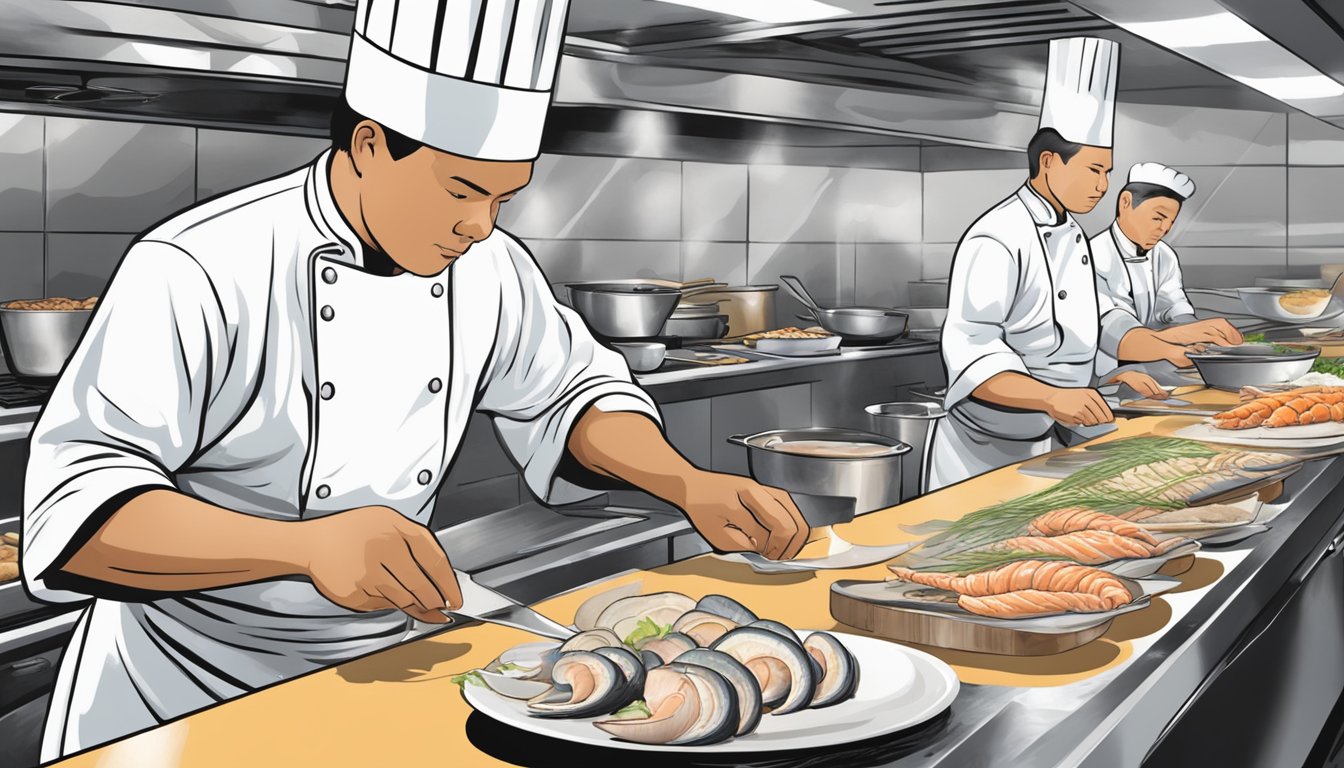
[[637, 710], [1085, 488], [469, 678], [1330, 365], [509, 666], [1254, 338], [647, 629]]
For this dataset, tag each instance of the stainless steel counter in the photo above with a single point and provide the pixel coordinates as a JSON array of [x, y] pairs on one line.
[[1131, 713]]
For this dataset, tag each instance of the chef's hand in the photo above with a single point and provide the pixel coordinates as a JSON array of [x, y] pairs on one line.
[[1142, 383], [374, 559], [1078, 406], [737, 514], [1212, 331]]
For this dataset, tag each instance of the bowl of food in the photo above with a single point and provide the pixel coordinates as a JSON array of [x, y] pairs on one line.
[[793, 341], [1231, 368], [39, 335], [828, 462], [642, 356], [1305, 303]]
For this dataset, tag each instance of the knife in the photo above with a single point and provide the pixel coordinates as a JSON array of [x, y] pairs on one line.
[[485, 604]]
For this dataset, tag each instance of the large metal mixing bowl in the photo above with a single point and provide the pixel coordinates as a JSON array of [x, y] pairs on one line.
[[622, 311], [1231, 368], [37, 342]]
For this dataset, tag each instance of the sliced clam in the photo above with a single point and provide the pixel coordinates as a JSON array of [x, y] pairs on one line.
[[669, 647], [781, 667], [690, 705], [586, 616], [744, 684], [778, 628], [663, 608], [703, 627], [651, 660], [591, 640], [727, 607], [631, 666], [839, 669], [513, 687], [522, 672], [585, 684]]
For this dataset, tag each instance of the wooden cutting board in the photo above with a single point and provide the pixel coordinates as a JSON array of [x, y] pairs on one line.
[[904, 626]]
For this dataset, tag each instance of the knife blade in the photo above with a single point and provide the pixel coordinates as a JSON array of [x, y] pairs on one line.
[[484, 604]]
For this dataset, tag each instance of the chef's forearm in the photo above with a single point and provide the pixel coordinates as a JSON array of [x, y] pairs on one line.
[[1011, 389], [1144, 345], [163, 540], [630, 447]]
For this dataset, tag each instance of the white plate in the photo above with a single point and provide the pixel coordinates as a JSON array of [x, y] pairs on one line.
[[899, 688], [1140, 567], [856, 556], [1310, 436]]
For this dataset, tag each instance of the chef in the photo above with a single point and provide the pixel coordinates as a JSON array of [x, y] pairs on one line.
[[235, 470], [1135, 269], [1023, 323]]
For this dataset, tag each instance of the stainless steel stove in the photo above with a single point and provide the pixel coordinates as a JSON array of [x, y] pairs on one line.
[[17, 393]]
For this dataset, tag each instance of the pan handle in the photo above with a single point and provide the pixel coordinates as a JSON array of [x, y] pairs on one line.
[[697, 287], [795, 287], [739, 440], [1224, 292]]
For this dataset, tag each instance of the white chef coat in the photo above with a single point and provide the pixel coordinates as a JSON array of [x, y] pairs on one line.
[[1142, 290], [242, 355], [1022, 298]]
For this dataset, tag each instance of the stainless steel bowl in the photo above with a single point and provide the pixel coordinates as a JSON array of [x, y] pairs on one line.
[[38, 342], [1231, 368], [622, 311], [642, 356], [910, 423], [873, 482], [712, 327]]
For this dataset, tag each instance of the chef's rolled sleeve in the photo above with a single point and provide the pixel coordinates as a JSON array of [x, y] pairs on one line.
[[980, 295], [126, 412], [547, 371], [1115, 323]]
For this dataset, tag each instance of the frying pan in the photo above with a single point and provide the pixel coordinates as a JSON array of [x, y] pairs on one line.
[[854, 323], [1263, 302]]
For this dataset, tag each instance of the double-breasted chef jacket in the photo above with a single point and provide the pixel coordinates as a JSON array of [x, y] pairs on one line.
[[243, 356], [1022, 298], [1142, 289]]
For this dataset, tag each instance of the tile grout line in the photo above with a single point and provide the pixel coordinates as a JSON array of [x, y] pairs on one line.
[[45, 292]]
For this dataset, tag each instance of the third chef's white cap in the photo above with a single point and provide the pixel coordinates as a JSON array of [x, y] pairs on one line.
[[470, 77], [1080, 84], [1162, 176]]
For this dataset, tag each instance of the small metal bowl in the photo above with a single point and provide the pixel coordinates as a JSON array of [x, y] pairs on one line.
[[1231, 368], [642, 356]]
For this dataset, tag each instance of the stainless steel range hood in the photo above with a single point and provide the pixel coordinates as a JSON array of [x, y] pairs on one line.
[[898, 73]]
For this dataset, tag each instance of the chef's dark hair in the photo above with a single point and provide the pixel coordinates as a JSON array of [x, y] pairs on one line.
[[343, 122], [1049, 140], [1142, 192]]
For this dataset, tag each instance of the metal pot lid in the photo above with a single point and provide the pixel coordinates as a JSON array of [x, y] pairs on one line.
[[628, 288], [914, 410]]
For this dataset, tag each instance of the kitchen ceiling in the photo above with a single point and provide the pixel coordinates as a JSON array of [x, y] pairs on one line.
[[949, 71]]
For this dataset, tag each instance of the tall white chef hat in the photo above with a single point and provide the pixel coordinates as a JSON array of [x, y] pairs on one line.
[[1162, 176], [469, 77], [1080, 84]]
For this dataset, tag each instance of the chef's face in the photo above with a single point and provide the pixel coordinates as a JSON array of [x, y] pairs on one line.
[[1150, 221], [427, 208], [1080, 183]]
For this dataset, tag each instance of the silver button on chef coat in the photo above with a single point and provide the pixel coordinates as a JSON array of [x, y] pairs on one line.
[[243, 356], [1022, 298]]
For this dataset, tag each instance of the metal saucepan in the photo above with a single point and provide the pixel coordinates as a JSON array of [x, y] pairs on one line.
[[851, 323], [750, 308], [38, 342], [623, 310], [1267, 303], [873, 482], [712, 327], [912, 424]]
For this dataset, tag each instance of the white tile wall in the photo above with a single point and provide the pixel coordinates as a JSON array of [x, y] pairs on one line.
[[596, 198], [713, 202], [227, 160], [22, 207], [953, 200], [1313, 142], [1315, 206], [726, 262]]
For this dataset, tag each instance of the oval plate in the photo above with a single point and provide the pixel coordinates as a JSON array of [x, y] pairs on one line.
[[899, 688]]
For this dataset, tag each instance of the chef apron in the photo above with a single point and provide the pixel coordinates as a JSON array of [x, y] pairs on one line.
[[978, 437], [381, 427]]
